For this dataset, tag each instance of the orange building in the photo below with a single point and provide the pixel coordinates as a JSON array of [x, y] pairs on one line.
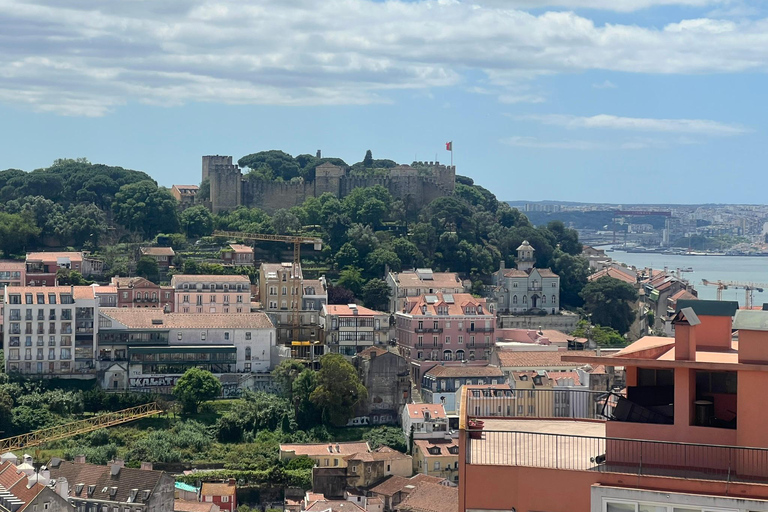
[[687, 434]]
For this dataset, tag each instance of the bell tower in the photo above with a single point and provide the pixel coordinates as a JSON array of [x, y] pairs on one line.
[[525, 260]]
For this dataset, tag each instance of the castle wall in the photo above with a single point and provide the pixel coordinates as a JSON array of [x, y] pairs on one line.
[[271, 196], [226, 187], [211, 160]]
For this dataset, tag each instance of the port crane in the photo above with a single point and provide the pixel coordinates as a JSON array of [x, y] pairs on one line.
[[297, 241], [749, 289]]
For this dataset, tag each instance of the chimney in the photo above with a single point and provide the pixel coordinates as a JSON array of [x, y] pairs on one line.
[[146, 466], [232, 481], [62, 487], [118, 462], [80, 459]]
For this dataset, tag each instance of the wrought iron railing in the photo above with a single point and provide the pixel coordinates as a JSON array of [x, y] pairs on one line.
[[613, 455]]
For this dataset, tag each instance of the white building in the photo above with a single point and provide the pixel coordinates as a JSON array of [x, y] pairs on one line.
[[428, 421], [147, 348], [526, 289], [211, 294], [50, 330]]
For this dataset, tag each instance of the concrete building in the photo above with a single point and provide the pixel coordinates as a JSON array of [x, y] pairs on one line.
[[685, 436], [50, 331], [222, 494], [12, 273], [438, 458], [211, 294], [406, 286], [424, 421], [25, 490], [350, 329], [137, 292], [526, 289], [445, 327], [365, 468], [162, 255], [148, 349], [385, 375], [237, 255], [441, 383], [41, 267], [92, 487]]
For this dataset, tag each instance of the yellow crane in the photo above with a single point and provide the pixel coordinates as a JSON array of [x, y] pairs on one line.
[[297, 241], [109, 419], [749, 289]]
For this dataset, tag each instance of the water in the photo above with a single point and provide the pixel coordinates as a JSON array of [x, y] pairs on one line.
[[750, 269]]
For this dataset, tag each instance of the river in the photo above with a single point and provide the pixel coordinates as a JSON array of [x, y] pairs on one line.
[[750, 269]]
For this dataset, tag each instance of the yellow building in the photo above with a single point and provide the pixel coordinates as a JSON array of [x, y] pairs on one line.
[[325, 455], [439, 458], [367, 468], [534, 394]]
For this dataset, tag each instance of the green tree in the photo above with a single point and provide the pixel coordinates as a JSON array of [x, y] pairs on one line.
[[379, 259], [195, 387], [368, 160], [284, 375], [609, 303], [147, 208], [67, 277], [16, 233], [376, 295], [307, 414], [285, 222], [351, 278], [147, 268], [196, 221], [573, 272], [602, 336], [339, 390], [387, 436]]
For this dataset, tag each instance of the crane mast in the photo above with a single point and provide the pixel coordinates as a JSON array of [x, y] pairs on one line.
[[749, 289]]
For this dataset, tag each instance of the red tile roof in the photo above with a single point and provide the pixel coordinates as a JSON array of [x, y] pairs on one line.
[[465, 371], [156, 318], [539, 359], [454, 308], [431, 497], [316, 449], [559, 376], [345, 310], [157, 251], [80, 292], [416, 411], [614, 273], [192, 506], [442, 444], [218, 489]]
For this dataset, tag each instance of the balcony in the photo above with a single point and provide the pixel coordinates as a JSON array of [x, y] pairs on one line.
[[534, 288], [433, 330], [480, 329]]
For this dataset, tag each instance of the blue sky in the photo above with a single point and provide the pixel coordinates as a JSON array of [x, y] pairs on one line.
[[573, 100]]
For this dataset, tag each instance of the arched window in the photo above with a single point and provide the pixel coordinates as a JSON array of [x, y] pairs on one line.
[[525, 299], [543, 299], [459, 355], [514, 299], [554, 299], [247, 353], [447, 355]]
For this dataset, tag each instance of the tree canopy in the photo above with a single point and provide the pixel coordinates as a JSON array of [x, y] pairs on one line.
[[609, 301], [339, 390], [195, 387]]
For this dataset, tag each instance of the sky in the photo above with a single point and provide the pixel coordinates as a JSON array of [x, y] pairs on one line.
[[636, 101]]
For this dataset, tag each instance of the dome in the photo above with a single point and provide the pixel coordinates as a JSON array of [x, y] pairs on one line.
[[525, 246]]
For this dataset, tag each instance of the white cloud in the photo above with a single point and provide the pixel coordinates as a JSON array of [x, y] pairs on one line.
[[87, 57], [535, 143], [604, 121], [607, 84], [609, 5]]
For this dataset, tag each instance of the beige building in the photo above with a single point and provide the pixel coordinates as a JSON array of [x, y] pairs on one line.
[[162, 255], [368, 467], [237, 255], [530, 401], [211, 294], [325, 455], [439, 458], [349, 329], [406, 286]]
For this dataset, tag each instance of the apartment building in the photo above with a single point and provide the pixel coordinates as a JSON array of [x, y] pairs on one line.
[[365, 468], [437, 457], [407, 285], [137, 292], [149, 349], [686, 435], [211, 294], [441, 383], [385, 375], [424, 421], [12, 273], [41, 267], [50, 331], [445, 327], [349, 329]]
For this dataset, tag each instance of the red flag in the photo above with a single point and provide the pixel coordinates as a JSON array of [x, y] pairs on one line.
[[449, 146]]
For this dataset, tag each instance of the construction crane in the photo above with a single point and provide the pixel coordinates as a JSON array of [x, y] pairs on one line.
[[296, 241], [38, 437], [749, 289]]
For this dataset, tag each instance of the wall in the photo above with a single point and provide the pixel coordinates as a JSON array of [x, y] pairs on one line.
[[260, 343], [562, 322], [386, 379]]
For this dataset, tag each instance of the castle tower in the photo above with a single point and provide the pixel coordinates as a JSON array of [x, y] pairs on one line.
[[210, 161], [525, 260], [226, 182]]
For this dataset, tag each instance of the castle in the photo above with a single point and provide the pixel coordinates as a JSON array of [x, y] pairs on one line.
[[230, 189]]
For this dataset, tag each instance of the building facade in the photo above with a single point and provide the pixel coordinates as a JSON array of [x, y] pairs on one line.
[[385, 375], [137, 292], [408, 285], [162, 255], [441, 384], [445, 327], [211, 294], [41, 267], [438, 458], [25, 490], [237, 255], [526, 289], [224, 495], [12, 273], [350, 329], [50, 331], [424, 421]]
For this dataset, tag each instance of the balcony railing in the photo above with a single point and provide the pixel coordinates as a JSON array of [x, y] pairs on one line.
[[613, 455], [480, 329], [436, 330], [532, 288], [539, 403]]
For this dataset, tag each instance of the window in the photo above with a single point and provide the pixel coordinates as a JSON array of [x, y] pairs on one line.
[[543, 299], [247, 353], [248, 336], [225, 499], [226, 336], [461, 340], [447, 340], [554, 299], [179, 335], [239, 299], [437, 465], [202, 335]]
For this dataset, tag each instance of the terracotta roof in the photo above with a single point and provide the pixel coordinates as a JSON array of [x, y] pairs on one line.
[[410, 279], [316, 449], [684, 295], [157, 251], [421, 477], [125, 282], [16, 482], [538, 359], [80, 292], [280, 267], [431, 497], [614, 273], [150, 318], [192, 506], [102, 290], [366, 354], [52, 256], [465, 371], [189, 278], [442, 444], [101, 478], [334, 506], [313, 283], [546, 272], [390, 486], [218, 489], [12, 265], [185, 187], [416, 411], [380, 453], [513, 272], [558, 376], [454, 307], [345, 310]]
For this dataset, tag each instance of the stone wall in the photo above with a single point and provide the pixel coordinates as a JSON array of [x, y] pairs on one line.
[[565, 322]]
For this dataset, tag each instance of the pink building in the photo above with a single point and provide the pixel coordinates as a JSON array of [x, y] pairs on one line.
[[445, 327], [12, 273]]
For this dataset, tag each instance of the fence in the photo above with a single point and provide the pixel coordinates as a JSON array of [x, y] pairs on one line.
[[539, 403], [612, 455]]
